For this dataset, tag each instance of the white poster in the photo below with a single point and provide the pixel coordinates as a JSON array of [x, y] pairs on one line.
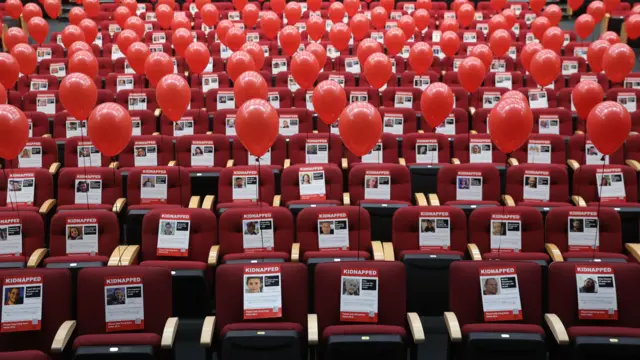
[[359, 295], [289, 124], [75, 127], [593, 156], [10, 237], [46, 103], [506, 233], [173, 235], [337, 78], [123, 303], [145, 153], [539, 152], [278, 65], [536, 185], [403, 100], [583, 231], [153, 186], [21, 304], [202, 153], [421, 82], [309, 100], [333, 231], [500, 294], [137, 101], [374, 156], [490, 99], [596, 287], [435, 230], [88, 155], [427, 151], [498, 65], [88, 189], [245, 185], [81, 236], [230, 124], [317, 151], [263, 292], [469, 186], [39, 85], [31, 156], [538, 99], [356, 96], [273, 97], [393, 123], [628, 100], [377, 185], [257, 232], [569, 67], [611, 185], [124, 82], [183, 127], [210, 81], [225, 100], [480, 151], [312, 183], [448, 126], [549, 124], [504, 80], [58, 70], [21, 189]]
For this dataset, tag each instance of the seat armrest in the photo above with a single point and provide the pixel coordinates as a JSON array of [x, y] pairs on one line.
[[312, 329], [455, 161], [634, 250], [634, 164], [287, 163], [453, 327], [62, 336], [573, 164], [208, 328], [378, 252], [508, 200], [276, 201], [402, 161], [194, 202], [213, 256], [114, 165], [578, 201], [36, 258], [119, 205], [47, 206], [554, 252], [472, 110], [346, 199], [124, 255], [49, 135], [434, 200], [169, 333], [156, 133], [557, 328], [473, 132], [389, 254], [474, 252], [208, 201], [230, 163], [513, 162], [208, 132], [158, 112], [415, 326], [420, 131], [421, 200], [295, 252], [172, 163], [53, 169], [345, 164]]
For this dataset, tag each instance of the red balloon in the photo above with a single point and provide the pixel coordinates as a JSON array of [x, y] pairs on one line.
[[238, 63], [422, 18], [313, 5], [249, 85], [157, 66], [109, 128], [293, 12], [632, 26], [595, 54], [14, 8], [76, 14], [584, 25], [510, 16], [121, 14], [290, 40], [71, 34], [278, 6], [3, 95], [618, 62], [235, 38], [466, 14], [424, 4], [164, 15], [545, 67], [52, 8], [319, 52], [585, 96], [575, 4], [498, 22], [528, 52], [514, 94], [170, 3], [635, 9], [127, 37], [90, 29], [553, 39], [408, 25], [270, 24], [223, 27], [316, 28], [483, 52], [539, 26], [173, 95], [240, 4], [78, 46], [377, 70], [449, 25], [180, 22], [379, 17], [511, 124], [329, 99], [132, 5], [38, 29], [201, 3], [91, 7], [436, 103], [257, 126], [197, 56], [210, 15], [339, 35], [387, 5], [498, 5], [15, 131], [597, 10], [136, 24], [336, 12], [255, 50], [611, 5], [180, 39], [608, 126], [500, 42], [420, 57], [394, 40], [360, 127], [367, 47], [471, 73], [304, 69], [351, 7], [30, 11], [250, 15], [78, 95], [553, 13], [84, 62], [450, 43], [537, 5], [610, 37], [137, 55], [26, 57], [14, 36]]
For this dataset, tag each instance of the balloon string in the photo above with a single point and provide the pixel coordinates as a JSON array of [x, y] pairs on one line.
[[84, 164], [595, 238]]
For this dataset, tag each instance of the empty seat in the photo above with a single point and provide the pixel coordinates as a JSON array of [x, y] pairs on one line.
[[477, 149], [245, 186], [146, 151], [541, 149], [610, 185], [311, 185], [38, 152], [467, 186], [28, 190], [22, 235], [90, 189], [80, 152], [315, 149], [538, 185]]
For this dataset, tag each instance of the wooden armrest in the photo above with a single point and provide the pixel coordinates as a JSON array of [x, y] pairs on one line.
[[312, 329], [578, 132], [634, 250], [634, 164], [208, 132], [345, 164], [578, 201], [402, 161], [287, 163], [53, 169], [557, 328], [213, 256], [389, 254], [230, 163], [169, 333], [158, 112], [315, 131], [474, 252], [472, 110], [276, 200], [473, 132], [420, 131], [119, 205], [508, 200], [295, 252], [415, 325], [47, 206], [114, 165], [194, 202], [208, 328], [49, 135], [433, 200], [36, 258], [346, 199], [124, 255], [453, 327], [156, 133], [554, 252], [573, 164], [208, 201], [62, 336], [378, 252], [513, 162], [455, 161], [172, 163], [421, 200]]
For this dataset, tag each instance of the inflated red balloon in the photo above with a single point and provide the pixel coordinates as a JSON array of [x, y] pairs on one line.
[[420, 57], [635, 9], [336, 12], [367, 47], [78, 94], [436, 103], [316, 28], [510, 16], [137, 55], [584, 25], [450, 43], [528, 52], [422, 19], [292, 12], [71, 34], [498, 22], [360, 127], [14, 8], [14, 36], [76, 14], [109, 128], [197, 56], [539, 26], [498, 5], [553, 39], [377, 70], [466, 14], [132, 5], [632, 26], [3, 95], [319, 52], [235, 38], [449, 25], [173, 95], [278, 6], [223, 27], [351, 6], [387, 5], [585, 96], [238, 63], [545, 67], [32, 10], [250, 15], [610, 37], [250, 85], [15, 131], [313, 5], [511, 124], [575, 4], [329, 99], [26, 57], [514, 94], [180, 22], [553, 13], [270, 24], [618, 62], [424, 5], [169, 3], [157, 66], [597, 10], [394, 40], [471, 73], [257, 126], [52, 8], [537, 5], [608, 126], [290, 40], [164, 15], [482, 52], [201, 3], [78, 46], [500, 42], [611, 5], [84, 62], [240, 4], [408, 25], [121, 14], [304, 69], [595, 54], [127, 37], [379, 17], [210, 15], [90, 30], [339, 35], [135, 24], [180, 39], [38, 29], [91, 7], [255, 50]]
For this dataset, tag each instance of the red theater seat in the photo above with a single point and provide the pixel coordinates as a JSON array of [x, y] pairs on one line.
[[385, 152], [473, 148], [31, 251], [41, 183], [274, 158], [195, 121], [43, 148], [586, 190], [451, 179], [80, 152], [301, 148], [38, 123], [140, 152], [292, 177], [105, 190], [518, 178], [263, 196], [541, 149]]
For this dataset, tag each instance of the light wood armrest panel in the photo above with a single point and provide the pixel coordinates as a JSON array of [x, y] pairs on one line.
[[634, 250], [276, 200], [157, 113], [415, 325], [62, 336], [508, 200], [287, 163], [573, 164], [420, 131], [453, 327], [421, 200], [378, 252], [208, 201], [194, 202], [578, 132], [155, 133], [208, 328], [389, 254], [513, 162], [433, 200], [557, 328], [172, 163], [455, 161], [295, 252], [346, 199], [169, 333], [47, 206], [472, 111], [578, 201], [402, 161], [634, 164], [230, 163], [312, 329], [345, 164], [114, 165], [474, 252], [213, 256], [119, 205], [124, 255], [53, 169], [36, 258], [49, 135], [554, 252], [208, 132]]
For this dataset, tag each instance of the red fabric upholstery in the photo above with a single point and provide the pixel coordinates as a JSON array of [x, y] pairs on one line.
[[558, 181], [460, 115], [39, 123], [122, 98], [477, 97], [147, 121], [24, 82], [517, 80], [71, 154], [336, 330], [558, 148], [30, 100], [605, 331], [565, 125], [461, 149], [400, 181], [610, 228], [585, 183], [447, 183], [176, 265], [108, 231], [290, 184], [199, 117], [409, 142], [337, 254], [574, 79], [373, 96], [298, 147], [111, 187], [389, 151], [388, 96], [178, 186], [551, 95], [111, 81], [43, 187], [164, 146], [32, 233], [266, 184], [76, 259], [278, 154], [262, 326], [502, 328], [24, 355], [117, 339], [576, 148], [221, 151], [49, 152], [256, 255], [593, 255], [304, 116]]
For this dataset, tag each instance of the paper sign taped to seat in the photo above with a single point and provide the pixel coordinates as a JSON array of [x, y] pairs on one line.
[[583, 231], [611, 185], [257, 232], [21, 304], [153, 186], [245, 185], [506, 233], [173, 235], [123, 303], [31, 155], [333, 231], [435, 230], [597, 298], [21, 189], [10, 237], [312, 183], [359, 295], [500, 294], [377, 185], [81, 233], [262, 292]]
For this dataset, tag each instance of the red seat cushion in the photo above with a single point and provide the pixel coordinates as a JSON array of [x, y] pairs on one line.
[[429, 252], [153, 206], [24, 355], [502, 328], [471, 202], [606, 331], [592, 255], [241, 204], [76, 259], [176, 265], [262, 326], [389, 202], [21, 208], [363, 330], [623, 204], [117, 339], [203, 169], [257, 255], [516, 256], [6, 259], [310, 202], [543, 204], [336, 254], [77, 207]]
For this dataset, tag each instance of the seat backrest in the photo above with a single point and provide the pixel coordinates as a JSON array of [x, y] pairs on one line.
[[140, 149], [400, 180], [72, 182], [277, 154], [38, 123], [417, 143], [195, 121], [137, 99], [558, 181], [585, 182], [448, 180], [303, 117], [19, 179], [143, 122], [609, 225], [31, 228], [308, 226], [187, 146], [108, 230], [481, 224], [44, 148], [387, 155], [291, 179], [391, 118], [466, 144], [178, 185], [632, 147], [580, 145], [79, 151], [266, 182], [298, 147], [545, 148], [552, 121]]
